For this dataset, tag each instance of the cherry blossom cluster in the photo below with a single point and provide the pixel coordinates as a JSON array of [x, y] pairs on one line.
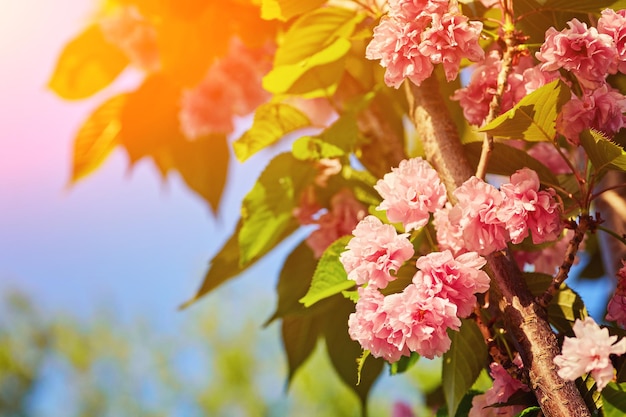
[[484, 218], [231, 86], [416, 319], [589, 352], [134, 35], [417, 34], [504, 386], [616, 310]]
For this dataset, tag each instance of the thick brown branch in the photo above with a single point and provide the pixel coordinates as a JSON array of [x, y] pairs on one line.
[[524, 319]]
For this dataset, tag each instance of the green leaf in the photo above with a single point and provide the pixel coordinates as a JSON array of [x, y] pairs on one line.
[[603, 153], [462, 363], [286, 9], [344, 352], [299, 335], [316, 76], [565, 307], [614, 400], [505, 160], [294, 281], [87, 64], [330, 277], [404, 364], [267, 210], [337, 140], [97, 137], [360, 363], [203, 165], [272, 121], [534, 117]]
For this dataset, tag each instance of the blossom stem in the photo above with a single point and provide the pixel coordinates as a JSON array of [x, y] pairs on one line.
[[524, 319], [584, 223], [496, 101]]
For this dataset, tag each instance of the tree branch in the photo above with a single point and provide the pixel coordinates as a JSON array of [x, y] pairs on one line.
[[524, 319]]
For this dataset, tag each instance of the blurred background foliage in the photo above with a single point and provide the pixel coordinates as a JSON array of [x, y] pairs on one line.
[[57, 365]]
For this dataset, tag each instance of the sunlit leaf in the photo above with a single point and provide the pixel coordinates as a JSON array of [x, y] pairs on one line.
[[344, 352], [404, 364], [529, 412], [267, 210], [462, 363], [87, 64], [603, 153], [534, 117], [614, 400], [299, 335], [337, 140], [97, 137], [505, 160], [286, 9], [272, 121], [330, 277]]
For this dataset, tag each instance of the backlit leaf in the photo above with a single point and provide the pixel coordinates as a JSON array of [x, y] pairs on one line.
[[614, 400], [272, 121], [97, 137], [603, 153], [330, 277], [462, 363], [534, 117], [344, 352], [87, 64], [267, 210], [286, 9], [337, 140]]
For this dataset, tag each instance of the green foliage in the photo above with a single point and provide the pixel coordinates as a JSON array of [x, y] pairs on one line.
[[529, 412], [614, 400], [338, 140], [286, 9], [534, 117], [299, 335], [272, 121], [603, 153], [462, 363], [97, 137], [404, 364], [267, 210], [87, 65], [330, 277]]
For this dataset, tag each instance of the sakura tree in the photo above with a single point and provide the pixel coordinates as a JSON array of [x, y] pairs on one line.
[[449, 160]]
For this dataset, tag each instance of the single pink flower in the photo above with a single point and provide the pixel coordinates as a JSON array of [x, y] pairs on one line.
[[344, 214], [616, 310], [396, 44], [455, 279], [534, 77], [374, 251], [589, 352], [589, 55], [410, 193], [527, 210], [451, 38], [613, 23]]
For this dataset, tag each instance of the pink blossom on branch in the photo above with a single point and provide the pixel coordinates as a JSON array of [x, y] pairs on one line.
[[589, 351], [410, 193], [613, 23], [616, 310], [374, 251]]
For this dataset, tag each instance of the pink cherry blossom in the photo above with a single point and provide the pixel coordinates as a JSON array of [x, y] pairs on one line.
[[613, 23], [344, 214], [447, 221], [396, 44], [534, 77], [589, 352], [547, 154], [455, 279], [308, 207], [589, 55], [451, 38], [528, 210], [410, 193], [549, 258], [504, 386], [411, 10], [616, 310], [401, 409], [601, 109], [134, 35], [374, 251]]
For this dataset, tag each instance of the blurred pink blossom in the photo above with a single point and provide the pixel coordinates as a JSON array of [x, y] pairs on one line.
[[589, 352], [402, 409], [616, 310], [547, 154]]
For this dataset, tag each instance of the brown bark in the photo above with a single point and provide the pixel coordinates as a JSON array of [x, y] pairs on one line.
[[524, 319]]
